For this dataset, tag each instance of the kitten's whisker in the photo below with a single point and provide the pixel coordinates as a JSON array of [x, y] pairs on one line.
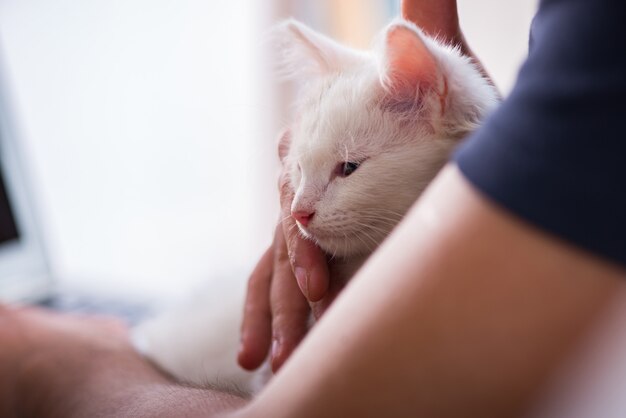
[[366, 244], [378, 216], [393, 217], [380, 221], [364, 232], [372, 228]]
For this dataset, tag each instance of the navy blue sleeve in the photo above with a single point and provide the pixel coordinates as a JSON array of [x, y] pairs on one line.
[[554, 153]]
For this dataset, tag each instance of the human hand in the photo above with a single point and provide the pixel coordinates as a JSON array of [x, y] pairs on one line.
[[276, 313], [290, 281], [440, 19]]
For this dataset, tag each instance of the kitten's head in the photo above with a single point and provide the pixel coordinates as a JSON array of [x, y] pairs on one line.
[[373, 129]]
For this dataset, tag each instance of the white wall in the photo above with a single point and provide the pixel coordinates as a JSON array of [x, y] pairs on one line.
[[147, 124], [142, 122], [497, 31]]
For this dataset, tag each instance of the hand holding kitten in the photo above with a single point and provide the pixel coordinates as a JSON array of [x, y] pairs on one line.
[[277, 309], [290, 279]]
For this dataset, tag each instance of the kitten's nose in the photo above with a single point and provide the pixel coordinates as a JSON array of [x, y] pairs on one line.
[[303, 217]]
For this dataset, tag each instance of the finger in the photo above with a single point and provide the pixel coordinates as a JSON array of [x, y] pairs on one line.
[[308, 262], [319, 308], [290, 310], [256, 329], [309, 267]]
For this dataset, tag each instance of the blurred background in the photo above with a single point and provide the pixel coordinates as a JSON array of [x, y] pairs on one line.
[[149, 126]]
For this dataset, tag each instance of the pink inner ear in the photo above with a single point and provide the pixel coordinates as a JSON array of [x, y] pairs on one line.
[[409, 64]]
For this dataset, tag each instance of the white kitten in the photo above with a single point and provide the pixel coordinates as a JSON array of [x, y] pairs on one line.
[[372, 131]]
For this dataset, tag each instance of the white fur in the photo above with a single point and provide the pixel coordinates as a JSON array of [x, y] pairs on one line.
[[347, 112], [341, 119]]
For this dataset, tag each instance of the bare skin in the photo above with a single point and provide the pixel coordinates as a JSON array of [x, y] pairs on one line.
[[57, 365], [467, 308], [464, 311], [278, 303]]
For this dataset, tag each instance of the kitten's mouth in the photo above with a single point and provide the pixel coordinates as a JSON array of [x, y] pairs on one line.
[[305, 232], [311, 234], [339, 243]]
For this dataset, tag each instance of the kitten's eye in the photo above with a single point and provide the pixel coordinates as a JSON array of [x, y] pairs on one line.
[[346, 168]]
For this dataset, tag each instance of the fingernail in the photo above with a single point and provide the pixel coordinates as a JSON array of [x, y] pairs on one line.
[[303, 280]]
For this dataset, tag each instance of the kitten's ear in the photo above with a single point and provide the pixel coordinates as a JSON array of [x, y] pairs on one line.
[[305, 52], [408, 66]]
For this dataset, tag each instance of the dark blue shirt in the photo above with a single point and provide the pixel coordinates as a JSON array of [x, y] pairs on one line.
[[554, 153]]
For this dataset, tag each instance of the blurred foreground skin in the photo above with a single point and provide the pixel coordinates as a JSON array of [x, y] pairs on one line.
[[464, 312]]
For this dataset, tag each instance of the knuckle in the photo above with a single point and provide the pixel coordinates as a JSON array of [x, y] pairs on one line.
[[283, 257], [288, 328], [289, 310], [253, 288], [255, 279], [292, 257], [293, 248]]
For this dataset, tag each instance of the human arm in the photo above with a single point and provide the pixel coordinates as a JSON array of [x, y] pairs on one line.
[[57, 365], [464, 311], [497, 301]]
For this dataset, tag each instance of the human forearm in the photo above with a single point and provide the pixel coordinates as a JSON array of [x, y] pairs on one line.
[[119, 386], [56, 365], [463, 312]]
